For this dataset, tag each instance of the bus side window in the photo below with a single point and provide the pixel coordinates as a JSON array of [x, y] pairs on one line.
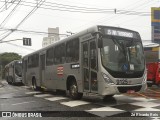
[[72, 51], [59, 54], [49, 57]]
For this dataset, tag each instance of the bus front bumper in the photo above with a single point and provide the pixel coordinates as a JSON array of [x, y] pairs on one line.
[[119, 89]]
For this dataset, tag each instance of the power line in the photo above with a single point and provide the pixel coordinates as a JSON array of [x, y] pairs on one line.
[[20, 46], [28, 15], [32, 11], [105, 19], [10, 40], [9, 15], [83, 9], [32, 32]]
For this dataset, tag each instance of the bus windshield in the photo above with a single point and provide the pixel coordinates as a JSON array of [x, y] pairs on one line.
[[122, 55], [18, 68]]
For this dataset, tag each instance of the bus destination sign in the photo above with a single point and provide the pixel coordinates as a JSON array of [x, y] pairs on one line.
[[118, 33]]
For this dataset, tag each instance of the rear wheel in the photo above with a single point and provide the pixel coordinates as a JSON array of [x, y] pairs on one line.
[[73, 91]]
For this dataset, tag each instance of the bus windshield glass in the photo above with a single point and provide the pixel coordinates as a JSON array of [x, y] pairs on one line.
[[122, 55], [18, 68]]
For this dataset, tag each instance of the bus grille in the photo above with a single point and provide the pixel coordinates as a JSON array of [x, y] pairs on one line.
[[125, 89]]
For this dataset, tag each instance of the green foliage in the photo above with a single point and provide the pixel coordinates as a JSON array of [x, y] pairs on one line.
[[6, 58]]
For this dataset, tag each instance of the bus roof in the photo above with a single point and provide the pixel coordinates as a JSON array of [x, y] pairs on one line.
[[92, 29], [12, 62]]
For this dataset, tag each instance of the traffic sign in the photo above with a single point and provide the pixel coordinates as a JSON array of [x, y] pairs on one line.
[[27, 41]]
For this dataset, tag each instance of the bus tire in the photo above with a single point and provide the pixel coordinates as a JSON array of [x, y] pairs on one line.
[[107, 97], [34, 84], [73, 91], [149, 84]]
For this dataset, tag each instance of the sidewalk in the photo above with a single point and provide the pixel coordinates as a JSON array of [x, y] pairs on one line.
[[1, 85]]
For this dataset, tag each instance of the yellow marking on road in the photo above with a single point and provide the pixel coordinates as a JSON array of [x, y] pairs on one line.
[[142, 95], [154, 91]]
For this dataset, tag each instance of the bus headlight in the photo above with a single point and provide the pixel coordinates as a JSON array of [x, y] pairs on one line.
[[107, 79], [144, 78]]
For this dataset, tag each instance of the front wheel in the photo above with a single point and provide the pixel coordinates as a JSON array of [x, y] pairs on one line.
[[107, 97], [149, 84], [73, 91]]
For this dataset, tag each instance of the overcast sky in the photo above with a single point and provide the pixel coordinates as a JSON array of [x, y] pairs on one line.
[[69, 15]]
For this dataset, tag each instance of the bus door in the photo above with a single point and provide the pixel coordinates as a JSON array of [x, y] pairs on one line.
[[89, 63], [42, 69]]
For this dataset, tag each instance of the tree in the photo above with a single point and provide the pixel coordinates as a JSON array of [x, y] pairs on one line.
[[6, 58]]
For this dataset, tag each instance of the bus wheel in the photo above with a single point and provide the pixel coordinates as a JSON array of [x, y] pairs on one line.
[[110, 99], [73, 91], [107, 97], [34, 84], [158, 84], [149, 84]]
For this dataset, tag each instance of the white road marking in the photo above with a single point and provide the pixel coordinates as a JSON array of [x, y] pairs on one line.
[[75, 103], [145, 104], [102, 111], [55, 98], [23, 103], [142, 99], [34, 92], [42, 95]]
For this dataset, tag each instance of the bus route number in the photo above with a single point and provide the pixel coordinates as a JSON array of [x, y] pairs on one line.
[[122, 82]]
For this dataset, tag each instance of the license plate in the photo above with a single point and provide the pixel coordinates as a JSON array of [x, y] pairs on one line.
[[130, 91]]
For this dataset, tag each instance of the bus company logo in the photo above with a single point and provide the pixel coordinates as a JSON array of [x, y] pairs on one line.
[[6, 114], [60, 71]]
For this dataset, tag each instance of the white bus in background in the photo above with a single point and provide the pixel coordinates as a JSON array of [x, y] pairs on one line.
[[13, 72], [100, 60]]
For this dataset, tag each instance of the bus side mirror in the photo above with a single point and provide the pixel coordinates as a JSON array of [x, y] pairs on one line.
[[100, 43]]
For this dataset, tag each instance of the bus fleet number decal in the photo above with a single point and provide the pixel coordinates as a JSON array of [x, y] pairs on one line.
[[122, 82]]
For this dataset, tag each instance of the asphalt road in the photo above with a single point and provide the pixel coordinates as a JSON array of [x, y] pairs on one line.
[[25, 103]]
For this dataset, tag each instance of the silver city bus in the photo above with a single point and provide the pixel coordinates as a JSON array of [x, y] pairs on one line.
[[101, 60], [13, 72]]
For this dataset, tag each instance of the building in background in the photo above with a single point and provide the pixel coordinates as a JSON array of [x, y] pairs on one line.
[[155, 22], [53, 36]]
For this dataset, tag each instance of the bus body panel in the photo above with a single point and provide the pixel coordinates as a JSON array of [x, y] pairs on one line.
[[56, 76]]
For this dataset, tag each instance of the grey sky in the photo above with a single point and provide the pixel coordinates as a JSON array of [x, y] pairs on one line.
[[52, 13]]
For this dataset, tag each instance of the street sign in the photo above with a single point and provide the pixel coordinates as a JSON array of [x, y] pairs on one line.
[[27, 41]]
